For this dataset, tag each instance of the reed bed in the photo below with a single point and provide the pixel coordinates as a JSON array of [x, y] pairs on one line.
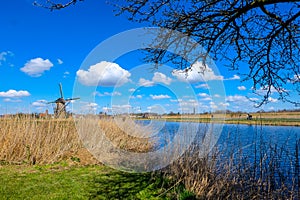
[[31, 140], [270, 171], [113, 141], [42, 141], [127, 135]]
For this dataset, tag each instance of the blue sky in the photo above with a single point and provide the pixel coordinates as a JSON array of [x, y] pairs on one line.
[[39, 49]]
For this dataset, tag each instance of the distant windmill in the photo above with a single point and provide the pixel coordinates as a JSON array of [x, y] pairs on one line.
[[61, 104]]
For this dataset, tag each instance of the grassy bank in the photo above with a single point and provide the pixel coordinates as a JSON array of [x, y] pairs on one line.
[[270, 118], [61, 181], [257, 121], [44, 159]]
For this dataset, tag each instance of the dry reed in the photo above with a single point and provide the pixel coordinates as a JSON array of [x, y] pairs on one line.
[[31, 140], [272, 172], [127, 135], [114, 140], [217, 175]]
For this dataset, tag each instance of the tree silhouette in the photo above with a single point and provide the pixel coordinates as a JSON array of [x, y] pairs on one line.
[[261, 35], [50, 4]]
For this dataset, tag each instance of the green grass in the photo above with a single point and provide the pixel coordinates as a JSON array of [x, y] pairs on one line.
[[263, 121], [267, 121], [60, 181]]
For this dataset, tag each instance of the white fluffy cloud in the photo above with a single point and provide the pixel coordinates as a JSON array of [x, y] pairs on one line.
[[107, 94], [264, 90], [157, 78], [136, 97], [197, 73], [253, 99], [145, 82], [243, 103], [12, 100], [203, 95], [273, 100], [103, 74], [161, 96], [161, 78], [39, 103], [175, 100], [200, 73], [242, 88], [237, 98], [121, 108], [206, 99], [189, 105], [89, 107], [4, 55], [66, 74], [36, 67], [235, 77], [224, 105], [296, 78], [213, 105], [203, 85], [59, 61], [15, 94], [125, 106]]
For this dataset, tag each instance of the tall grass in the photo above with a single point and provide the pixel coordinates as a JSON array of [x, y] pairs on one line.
[[30, 140], [267, 171], [127, 135], [116, 142]]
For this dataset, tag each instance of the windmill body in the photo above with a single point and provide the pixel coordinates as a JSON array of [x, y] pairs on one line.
[[61, 104]]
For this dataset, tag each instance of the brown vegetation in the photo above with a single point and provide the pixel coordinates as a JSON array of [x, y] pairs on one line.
[[126, 134], [36, 141], [236, 176], [30, 140], [263, 118], [220, 174]]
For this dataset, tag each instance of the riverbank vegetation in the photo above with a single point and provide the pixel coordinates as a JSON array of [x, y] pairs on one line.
[[282, 118], [266, 170], [44, 158]]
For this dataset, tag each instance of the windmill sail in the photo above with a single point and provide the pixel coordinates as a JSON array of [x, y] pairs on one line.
[[70, 99], [61, 92]]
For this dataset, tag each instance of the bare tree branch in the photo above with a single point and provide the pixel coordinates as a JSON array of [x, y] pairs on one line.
[[51, 5], [263, 34], [260, 34]]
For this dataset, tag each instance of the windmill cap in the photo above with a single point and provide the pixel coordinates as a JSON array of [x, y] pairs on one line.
[[60, 100]]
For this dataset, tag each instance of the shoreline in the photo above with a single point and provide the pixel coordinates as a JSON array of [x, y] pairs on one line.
[[261, 122], [288, 118]]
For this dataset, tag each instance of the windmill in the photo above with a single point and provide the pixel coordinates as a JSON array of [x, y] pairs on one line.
[[61, 104]]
